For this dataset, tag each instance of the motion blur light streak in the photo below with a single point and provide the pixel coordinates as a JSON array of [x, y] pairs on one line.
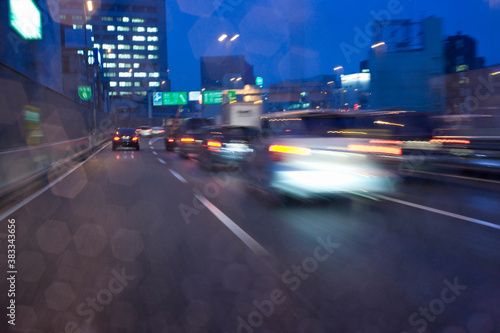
[[290, 150], [465, 142], [375, 149], [389, 142]]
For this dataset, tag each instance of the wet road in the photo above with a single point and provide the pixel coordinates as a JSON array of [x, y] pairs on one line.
[[147, 242]]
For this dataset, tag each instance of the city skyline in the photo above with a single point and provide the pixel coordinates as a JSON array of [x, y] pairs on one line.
[[284, 43]]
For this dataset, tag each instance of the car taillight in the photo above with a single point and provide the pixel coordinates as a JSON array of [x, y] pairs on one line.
[[290, 150], [465, 142], [134, 138], [187, 140], [170, 140], [214, 144], [116, 138], [375, 149]]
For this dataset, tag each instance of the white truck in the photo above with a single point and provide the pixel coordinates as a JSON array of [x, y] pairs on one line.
[[242, 114]]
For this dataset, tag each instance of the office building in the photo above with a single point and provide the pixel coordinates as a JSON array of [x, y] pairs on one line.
[[460, 54], [131, 39], [225, 72], [407, 65]]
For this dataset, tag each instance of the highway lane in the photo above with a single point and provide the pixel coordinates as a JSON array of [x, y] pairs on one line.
[[131, 225]]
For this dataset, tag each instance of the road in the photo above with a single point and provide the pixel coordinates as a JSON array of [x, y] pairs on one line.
[[147, 242]]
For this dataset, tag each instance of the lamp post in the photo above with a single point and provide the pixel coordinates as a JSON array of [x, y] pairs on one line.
[[338, 70], [88, 5]]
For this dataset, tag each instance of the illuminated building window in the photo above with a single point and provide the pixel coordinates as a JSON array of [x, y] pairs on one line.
[[123, 93], [137, 20], [89, 27], [77, 26], [126, 19], [109, 56], [62, 17], [77, 17], [154, 84], [109, 74], [138, 38], [125, 74], [107, 18], [152, 38], [141, 93], [137, 65], [120, 37], [124, 65], [140, 74], [152, 56], [123, 47], [139, 29], [152, 48], [111, 28], [139, 56], [139, 47], [109, 65], [112, 84], [152, 29], [97, 46], [124, 56], [109, 46], [120, 28], [125, 84], [137, 84], [80, 52], [154, 74]]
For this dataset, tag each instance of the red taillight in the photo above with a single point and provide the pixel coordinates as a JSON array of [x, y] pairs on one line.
[[214, 144], [290, 150], [187, 140], [134, 138], [465, 142], [170, 140], [116, 138], [388, 142], [375, 149]]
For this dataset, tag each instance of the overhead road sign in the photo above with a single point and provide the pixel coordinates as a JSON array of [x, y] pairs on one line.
[[175, 98], [212, 97]]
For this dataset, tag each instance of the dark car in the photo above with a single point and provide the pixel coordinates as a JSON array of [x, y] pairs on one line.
[[126, 137], [226, 145], [189, 136]]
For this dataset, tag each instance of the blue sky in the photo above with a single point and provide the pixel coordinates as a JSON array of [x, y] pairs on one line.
[[271, 47]]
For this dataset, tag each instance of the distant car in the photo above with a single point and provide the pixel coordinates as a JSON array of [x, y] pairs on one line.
[[190, 136], [126, 137], [226, 145], [144, 131], [157, 131]]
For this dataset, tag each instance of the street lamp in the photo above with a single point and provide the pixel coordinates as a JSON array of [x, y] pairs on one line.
[[88, 5], [378, 45]]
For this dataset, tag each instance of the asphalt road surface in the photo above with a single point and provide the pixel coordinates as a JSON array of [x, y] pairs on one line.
[[147, 242]]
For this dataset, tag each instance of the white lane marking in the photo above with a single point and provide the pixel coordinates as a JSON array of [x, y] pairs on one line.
[[153, 141], [240, 233], [161, 161], [439, 211], [178, 176], [155, 153], [460, 177], [35, 195]]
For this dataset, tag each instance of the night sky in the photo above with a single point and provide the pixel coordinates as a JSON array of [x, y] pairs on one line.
[[270, 39]]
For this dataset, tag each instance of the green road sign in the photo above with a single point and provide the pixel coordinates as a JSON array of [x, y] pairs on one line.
[[175, 98], [259, 81], [84, 92], [231, 95], [212, 97]]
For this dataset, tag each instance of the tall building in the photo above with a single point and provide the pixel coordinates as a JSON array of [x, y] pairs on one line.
[[407, 65], [225, 72], [132, 42], [460, 54]]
